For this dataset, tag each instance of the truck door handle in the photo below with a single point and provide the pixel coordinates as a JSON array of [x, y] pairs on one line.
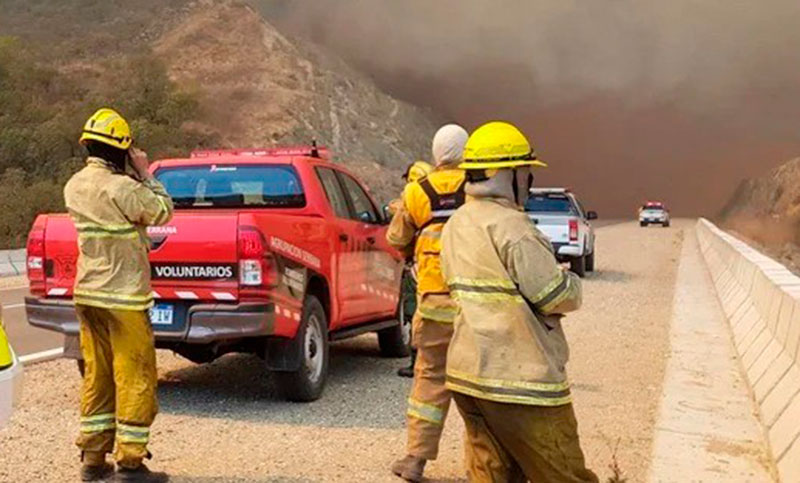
[[343, 237], [371, 240]]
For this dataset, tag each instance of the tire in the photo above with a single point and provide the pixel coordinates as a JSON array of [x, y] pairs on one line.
[[308, 381], [578, 266], [590, 262], [641, 223], [81, 366], [396, 341], [665, 224]]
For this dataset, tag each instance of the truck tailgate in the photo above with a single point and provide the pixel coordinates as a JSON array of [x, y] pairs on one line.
[[554, 227], [194, 257]]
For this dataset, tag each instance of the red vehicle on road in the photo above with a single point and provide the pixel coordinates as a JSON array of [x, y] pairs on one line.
[[276, 252]]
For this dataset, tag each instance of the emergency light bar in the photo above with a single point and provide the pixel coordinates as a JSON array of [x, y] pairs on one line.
[[312, 151]]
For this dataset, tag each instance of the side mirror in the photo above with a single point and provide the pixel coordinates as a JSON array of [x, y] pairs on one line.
[[387, 213], [591, 215], [366, 217]]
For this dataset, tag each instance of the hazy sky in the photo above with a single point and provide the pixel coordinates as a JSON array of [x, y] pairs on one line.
[[627, 99]]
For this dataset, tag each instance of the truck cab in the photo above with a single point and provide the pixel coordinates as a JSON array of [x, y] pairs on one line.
[[276, 252]]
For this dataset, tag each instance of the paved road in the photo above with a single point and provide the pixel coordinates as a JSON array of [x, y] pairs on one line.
[[620, 345], [619, 342], [24, 338]]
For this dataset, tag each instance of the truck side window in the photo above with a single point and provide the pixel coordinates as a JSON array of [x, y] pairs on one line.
[[362, 205], [334, 192], [581, 210]]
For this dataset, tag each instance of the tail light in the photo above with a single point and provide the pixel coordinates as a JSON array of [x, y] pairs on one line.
[[573, 230], [36, 260], [256, 264]]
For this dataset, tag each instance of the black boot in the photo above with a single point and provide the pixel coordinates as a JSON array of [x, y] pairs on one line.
[[96, 472], [408, 371], [140, 474]]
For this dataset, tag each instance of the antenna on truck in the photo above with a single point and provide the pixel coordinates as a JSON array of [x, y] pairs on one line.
[[314, 150]]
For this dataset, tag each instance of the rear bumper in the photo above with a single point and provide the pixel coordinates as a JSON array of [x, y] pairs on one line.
[[565, 251], [201, 324], [652, 219]]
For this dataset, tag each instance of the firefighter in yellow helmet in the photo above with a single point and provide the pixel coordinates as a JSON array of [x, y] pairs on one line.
[[111, 202], [427, 205], [415, 172], [507, 357]]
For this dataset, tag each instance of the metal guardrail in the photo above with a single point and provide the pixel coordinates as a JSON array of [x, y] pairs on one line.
[[13, 262]]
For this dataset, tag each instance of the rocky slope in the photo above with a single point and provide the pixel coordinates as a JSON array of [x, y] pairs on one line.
[[766, 211], [260, 88]]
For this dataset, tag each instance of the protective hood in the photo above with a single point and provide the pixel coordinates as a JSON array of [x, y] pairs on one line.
[[448, 144], [511, 184]]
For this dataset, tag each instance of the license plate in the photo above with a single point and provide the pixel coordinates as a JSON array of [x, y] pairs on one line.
[[162, 314]]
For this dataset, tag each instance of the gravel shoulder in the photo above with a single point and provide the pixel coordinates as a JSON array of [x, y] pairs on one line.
[[224, 422]]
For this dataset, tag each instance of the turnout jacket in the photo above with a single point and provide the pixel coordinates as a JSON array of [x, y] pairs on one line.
[[111, 212], [508, 345], [427, 204]]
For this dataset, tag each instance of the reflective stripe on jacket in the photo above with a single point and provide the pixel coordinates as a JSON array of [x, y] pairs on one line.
[[508, 345], [427, 204], [111, 212]]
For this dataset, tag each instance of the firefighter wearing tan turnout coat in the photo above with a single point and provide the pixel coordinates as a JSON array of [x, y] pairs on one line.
[[427, 204], [507, 358], [111, 210]]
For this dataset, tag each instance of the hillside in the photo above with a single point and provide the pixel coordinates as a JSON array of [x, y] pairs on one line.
[[260, 88], [766, 210], [187, 74]]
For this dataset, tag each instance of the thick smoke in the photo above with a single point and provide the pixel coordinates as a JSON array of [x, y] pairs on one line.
[[627, 100]]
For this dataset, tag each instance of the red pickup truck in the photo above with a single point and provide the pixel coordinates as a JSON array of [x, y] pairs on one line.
[[275, 252]]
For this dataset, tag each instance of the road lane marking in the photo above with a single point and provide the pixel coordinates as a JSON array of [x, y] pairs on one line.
[[13, 306], [41, 356]]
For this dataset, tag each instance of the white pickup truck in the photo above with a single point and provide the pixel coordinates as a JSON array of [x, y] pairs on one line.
[[560, 217]]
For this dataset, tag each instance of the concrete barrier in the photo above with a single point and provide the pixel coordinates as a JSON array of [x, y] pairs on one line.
[[761, 299], [13, 262]]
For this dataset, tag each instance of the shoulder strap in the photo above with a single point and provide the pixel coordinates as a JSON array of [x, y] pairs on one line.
[[442, 205]]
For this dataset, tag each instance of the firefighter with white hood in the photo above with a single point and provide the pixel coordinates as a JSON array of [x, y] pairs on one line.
[[417, 225]]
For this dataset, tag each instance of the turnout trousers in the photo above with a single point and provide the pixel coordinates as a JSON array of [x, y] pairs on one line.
[[429, 399], [518, 443], [118, 397]]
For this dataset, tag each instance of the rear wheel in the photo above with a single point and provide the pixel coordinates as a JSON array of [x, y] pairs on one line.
[[641, 223], [590, 262], [665, 224], [308, 381], [396, 341], [578, 266]]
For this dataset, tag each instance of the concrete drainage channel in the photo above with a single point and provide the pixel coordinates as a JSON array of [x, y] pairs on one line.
[[761, 301]]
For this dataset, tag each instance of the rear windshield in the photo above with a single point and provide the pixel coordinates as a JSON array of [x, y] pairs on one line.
[[549, 203], [276, 186]]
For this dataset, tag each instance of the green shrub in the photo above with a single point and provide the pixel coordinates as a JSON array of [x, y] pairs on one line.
[[42, 111]]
